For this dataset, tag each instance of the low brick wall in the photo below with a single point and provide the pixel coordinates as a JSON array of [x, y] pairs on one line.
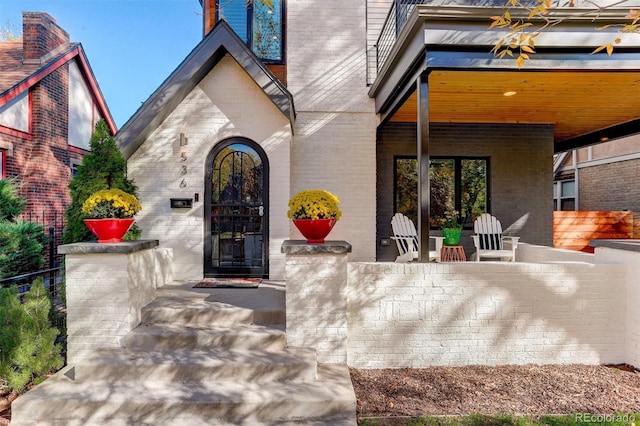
[[419, 315], [107, 285], [627, 253]]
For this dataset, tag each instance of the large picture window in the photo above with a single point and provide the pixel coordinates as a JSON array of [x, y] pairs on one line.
[[457, 183], [258, 24]]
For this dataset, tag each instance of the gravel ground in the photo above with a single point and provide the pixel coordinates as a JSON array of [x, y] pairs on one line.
[[506, 389]]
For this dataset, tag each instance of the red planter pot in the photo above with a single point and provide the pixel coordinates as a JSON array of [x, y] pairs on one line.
[[109, 230], [314, 230]]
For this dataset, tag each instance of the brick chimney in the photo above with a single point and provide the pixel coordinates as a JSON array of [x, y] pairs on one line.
[[209, 15], [42, 38]]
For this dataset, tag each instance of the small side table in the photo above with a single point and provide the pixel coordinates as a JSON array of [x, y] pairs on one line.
[[452, 254]]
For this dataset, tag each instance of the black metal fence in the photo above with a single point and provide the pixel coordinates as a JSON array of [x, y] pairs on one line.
[[53, 275], [53, 224]]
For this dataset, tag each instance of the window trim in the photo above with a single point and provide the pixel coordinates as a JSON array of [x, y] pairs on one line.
[[249, 23], [558, 197]]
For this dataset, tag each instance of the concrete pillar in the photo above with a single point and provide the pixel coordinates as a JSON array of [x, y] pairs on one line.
[[316, 297]]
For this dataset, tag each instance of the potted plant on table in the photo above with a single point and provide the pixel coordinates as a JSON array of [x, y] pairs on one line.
[[110, 213], [314, 213], [451, 228]]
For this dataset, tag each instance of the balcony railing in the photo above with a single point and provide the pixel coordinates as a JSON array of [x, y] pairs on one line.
[[401, 10], [397, 17]]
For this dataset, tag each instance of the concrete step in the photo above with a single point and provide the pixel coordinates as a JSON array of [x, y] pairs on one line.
[[178, 337], [63, 401], [195, 311], [266, 302], [198, 366]]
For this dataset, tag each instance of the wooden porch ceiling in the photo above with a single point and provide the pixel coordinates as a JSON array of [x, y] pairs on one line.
[[575, 102]]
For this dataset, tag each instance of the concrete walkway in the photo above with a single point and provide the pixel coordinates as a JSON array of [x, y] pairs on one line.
[[202, 356]]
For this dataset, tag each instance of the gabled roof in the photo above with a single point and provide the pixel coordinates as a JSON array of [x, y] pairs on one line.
[[203, 58], [17, 77]]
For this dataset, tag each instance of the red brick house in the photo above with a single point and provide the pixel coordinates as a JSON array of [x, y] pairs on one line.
[[49, 104]]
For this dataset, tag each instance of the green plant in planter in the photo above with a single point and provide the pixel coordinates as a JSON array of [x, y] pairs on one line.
[[314, 204], [451, 228], [451, 220], [103, 168]]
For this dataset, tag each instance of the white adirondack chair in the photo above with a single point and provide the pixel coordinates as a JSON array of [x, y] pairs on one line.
[[406, 237], [489, 241]]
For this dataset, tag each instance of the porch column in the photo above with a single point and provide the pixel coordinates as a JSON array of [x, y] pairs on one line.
[[424, 190]]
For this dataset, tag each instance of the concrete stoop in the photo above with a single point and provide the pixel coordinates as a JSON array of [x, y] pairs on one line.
[[195, 362]]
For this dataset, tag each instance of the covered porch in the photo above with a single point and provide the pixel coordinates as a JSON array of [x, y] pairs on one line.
[[443, 97]]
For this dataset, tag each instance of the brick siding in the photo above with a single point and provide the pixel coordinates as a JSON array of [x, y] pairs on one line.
[[610, 187], [521, 180], [490, 313]]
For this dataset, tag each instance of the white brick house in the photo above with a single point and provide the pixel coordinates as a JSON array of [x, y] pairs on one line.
[[354, 88]]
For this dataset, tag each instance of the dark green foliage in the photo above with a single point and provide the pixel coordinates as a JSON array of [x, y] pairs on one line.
[[103, 168], [11, 205], [21, 245], [27, 341]]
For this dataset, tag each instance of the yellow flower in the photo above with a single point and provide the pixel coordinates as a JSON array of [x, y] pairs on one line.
[[111, 203], [314, 204]]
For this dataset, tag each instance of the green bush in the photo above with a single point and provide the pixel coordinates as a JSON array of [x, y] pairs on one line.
[[103, 168], [21, 245], [11, 205], [27, 341]]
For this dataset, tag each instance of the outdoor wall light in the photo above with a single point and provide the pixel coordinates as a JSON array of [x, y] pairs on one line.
[[509, 93], [184, 142]]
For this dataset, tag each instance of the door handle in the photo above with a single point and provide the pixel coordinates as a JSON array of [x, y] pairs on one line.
[[261, 210]]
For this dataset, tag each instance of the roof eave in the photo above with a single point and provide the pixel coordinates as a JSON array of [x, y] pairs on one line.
[[202, 59], [74, 51]]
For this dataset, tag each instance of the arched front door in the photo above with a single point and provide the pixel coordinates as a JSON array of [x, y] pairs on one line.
[[236, 210]]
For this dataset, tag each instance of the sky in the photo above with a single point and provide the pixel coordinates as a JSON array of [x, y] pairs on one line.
[[132, 45]]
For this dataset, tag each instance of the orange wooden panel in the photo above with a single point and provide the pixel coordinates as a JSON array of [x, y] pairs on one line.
[[574, 230]]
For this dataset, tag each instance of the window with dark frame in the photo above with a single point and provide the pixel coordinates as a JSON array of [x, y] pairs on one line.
[[457, 184], [564, 195], [261, 26]]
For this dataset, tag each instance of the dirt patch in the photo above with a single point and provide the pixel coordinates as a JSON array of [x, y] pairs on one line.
[[505, 389], [5, 407]]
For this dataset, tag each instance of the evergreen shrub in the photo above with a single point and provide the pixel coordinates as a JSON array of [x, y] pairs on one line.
[[28, 351]]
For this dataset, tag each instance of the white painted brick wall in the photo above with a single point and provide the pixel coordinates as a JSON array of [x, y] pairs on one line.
[[335, 130], [631, 260], [535, 253], [317, 305], [418, 315], [105, 294], [226, 103]]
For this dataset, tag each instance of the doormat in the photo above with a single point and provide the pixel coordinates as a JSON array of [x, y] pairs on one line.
[[229, 283]]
